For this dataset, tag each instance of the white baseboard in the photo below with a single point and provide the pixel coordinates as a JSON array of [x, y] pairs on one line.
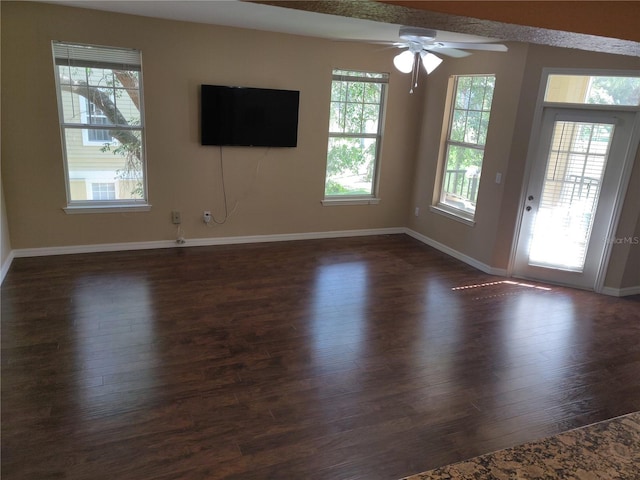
[[197, 242], [457, 255], [616, 292], [201, 242], [6, 265], [621, 292]]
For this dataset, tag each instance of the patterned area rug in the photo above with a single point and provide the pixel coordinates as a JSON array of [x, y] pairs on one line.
[[606, 450]]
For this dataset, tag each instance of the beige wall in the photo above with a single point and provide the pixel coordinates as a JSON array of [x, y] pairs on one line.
[[624, 266], [478, 241], [631, 276], [270, 191], [5, 240]]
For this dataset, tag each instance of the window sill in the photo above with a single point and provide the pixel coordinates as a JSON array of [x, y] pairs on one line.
[[333, 202], [452, 215], [72, 210]]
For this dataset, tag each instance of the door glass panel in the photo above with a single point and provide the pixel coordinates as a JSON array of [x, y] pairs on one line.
[[575, 167]]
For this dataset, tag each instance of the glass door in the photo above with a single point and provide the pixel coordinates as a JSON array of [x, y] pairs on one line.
[[571, 195]]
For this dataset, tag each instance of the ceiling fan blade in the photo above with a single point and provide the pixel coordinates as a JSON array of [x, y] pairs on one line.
[[390, 44], [449, 52], [489, 47], [375, 42]]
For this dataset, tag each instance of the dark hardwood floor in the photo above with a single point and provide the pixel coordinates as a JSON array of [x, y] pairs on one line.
[[360, 358]]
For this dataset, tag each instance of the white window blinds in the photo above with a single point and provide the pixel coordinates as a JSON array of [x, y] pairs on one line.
[[97, 57]]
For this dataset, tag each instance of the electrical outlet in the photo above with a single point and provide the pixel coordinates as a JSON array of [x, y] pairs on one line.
[[176, 218], [206, 216]]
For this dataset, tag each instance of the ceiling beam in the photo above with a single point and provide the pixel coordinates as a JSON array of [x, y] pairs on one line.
[[614, 19], [420, 17]]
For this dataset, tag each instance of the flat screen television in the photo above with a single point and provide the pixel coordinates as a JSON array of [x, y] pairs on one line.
[[243, 116]]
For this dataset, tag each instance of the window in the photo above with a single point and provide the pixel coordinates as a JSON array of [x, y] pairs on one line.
[[593, 89], [102, 124], [355, 132], [464, 145], [103, 191]]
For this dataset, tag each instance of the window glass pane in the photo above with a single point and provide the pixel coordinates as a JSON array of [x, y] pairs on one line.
[[125, 104], [64, 74], [100, 77], [350, 166], [126, 78], [593, 90], [484, 125], [121, 105], [458, 125], [119, 163], [462, 93], [476, 93], [372, 93], [472, 131], [73, 103], [461, 177], [353, 118], [370, 115], [355, 92], [471, 109], [488, 93], [338, 91], [336, 117], [79, 75], [101, 136]]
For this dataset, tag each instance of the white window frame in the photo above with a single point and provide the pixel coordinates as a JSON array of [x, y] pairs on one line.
[[83, 55], [438, 206], [382, 79]]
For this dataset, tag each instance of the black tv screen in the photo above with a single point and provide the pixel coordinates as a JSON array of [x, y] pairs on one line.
[[242, 116]]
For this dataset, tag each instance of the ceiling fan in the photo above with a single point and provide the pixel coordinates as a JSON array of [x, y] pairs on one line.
[[421, 44]]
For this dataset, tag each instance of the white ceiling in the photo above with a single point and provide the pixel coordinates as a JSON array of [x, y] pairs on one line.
[[235, 13]]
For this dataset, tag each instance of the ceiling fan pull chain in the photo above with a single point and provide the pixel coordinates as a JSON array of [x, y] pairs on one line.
[[415, 72]]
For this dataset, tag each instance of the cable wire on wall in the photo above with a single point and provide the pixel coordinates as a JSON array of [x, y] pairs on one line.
[[228, 213], [224, 194]]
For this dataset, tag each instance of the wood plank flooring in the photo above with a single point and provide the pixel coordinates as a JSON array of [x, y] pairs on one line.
[[358, 358]]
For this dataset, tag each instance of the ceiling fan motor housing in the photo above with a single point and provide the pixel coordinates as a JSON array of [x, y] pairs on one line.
[[417, 34]]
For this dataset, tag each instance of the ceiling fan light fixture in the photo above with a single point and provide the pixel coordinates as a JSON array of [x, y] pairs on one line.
[[430, 61], [404, 61]]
